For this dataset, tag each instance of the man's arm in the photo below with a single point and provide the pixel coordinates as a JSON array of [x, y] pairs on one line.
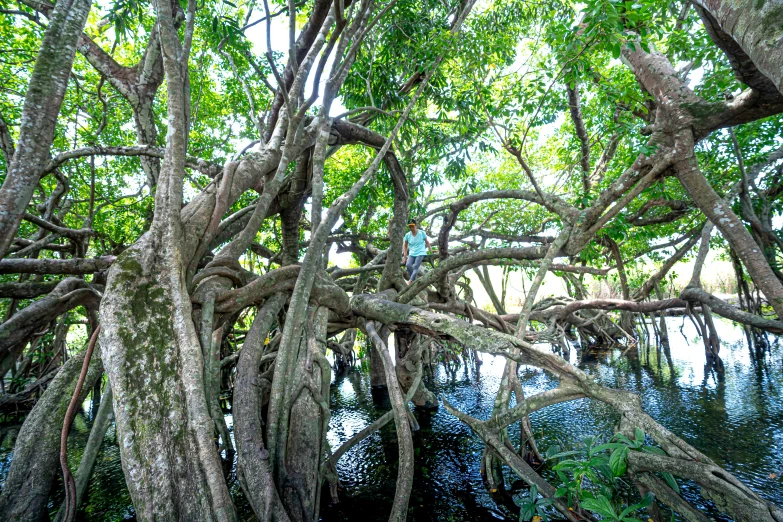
[[405, 250]]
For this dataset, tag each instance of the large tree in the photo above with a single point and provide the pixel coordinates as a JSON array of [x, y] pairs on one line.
[[544, 137]]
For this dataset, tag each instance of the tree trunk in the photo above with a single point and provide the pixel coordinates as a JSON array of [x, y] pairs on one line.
[[308, 423], [733, 229], [409, 347], [169, 457], [39, 116], [253, 470]]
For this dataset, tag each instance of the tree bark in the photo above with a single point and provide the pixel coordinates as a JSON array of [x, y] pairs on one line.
[[39, 116], [15, 332], [402, 494], [253, 470], [733, 229], [756, 27], [149, 341]]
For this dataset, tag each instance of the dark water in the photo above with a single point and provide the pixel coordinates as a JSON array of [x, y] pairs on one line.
[[736, 419]]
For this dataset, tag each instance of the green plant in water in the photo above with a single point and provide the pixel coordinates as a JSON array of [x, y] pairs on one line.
[[608, 510], [533, 506], [592, 476]]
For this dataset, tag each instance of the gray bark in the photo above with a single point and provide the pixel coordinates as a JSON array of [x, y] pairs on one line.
[[74, 266], [149, 341], [14, 333], [404, 439], [253, 470], [733, 229], [39, 116], [756, 27], [308, 424]]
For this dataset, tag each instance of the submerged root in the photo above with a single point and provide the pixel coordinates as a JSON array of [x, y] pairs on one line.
[[680, 459]]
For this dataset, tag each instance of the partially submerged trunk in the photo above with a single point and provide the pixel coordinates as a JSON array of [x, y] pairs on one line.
[[253, 469], [409, 349], [159, 396], [26, 489]]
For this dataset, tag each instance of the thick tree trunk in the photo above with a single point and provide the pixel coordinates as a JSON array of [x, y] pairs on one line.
[[25, 494], [377, 377], [756, 26], [147, 134], [41, 108], [169, 457], [149, 342]]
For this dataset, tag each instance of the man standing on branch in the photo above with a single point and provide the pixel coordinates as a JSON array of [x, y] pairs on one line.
[[414, 247]]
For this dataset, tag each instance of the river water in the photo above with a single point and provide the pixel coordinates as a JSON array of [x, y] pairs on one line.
[[735, 418]]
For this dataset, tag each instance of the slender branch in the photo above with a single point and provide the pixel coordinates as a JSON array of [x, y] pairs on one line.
[[70, 484]]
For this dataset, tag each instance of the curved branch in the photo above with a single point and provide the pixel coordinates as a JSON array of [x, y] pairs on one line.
[[468, 258], [697, 296], [70, 484], [205, 167], [69, 293], [620, 304]]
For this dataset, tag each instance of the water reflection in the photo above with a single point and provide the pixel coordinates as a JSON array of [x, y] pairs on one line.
[[736, 418]]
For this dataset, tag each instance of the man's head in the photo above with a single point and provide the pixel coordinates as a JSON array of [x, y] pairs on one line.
[[412, 225]]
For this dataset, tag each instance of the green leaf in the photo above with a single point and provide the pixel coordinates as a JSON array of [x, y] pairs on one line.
[[671, 481], [617, 461], [622, 438], [610, 445], [601, 505], [639, 436], [527, 512]]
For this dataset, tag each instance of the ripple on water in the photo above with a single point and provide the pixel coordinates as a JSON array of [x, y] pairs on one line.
[[736, 419]]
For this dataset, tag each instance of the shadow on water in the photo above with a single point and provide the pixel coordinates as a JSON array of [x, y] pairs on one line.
[[736, 418]]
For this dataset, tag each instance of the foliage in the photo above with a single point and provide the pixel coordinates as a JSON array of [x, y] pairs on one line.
[[594, 476], [532, 506]]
